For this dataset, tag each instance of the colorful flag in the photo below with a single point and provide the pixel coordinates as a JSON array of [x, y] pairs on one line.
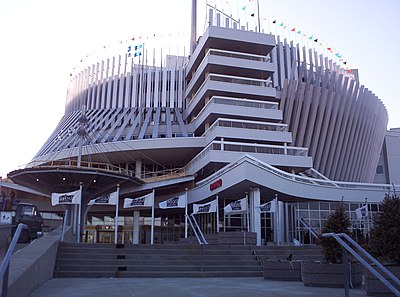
[[175, 202], [238, 206], [66, 198], [144, 201], [109, 199], [206, 207]]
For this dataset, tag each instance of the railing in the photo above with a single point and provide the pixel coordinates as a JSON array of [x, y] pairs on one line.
[[243, 124], [346, 248], [196, 230], [232, 101], [162, 174], [4, 268], [84, 164], [233, 80], [232, 54], [64, 224], [309, 228], [229, 146]]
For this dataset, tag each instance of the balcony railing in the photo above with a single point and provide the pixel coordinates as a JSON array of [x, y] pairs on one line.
[[229, 146], [243, 124]]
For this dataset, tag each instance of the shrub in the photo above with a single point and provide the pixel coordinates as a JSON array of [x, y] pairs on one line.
[[337, 222], [385, 232]]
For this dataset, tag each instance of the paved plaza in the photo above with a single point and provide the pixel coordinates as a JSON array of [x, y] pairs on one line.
[[183, 287]]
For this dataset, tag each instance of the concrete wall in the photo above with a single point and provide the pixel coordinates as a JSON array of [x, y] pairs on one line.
[[5, 233], [33, 265]]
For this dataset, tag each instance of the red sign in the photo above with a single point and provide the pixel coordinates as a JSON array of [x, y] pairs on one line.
[[216, 185]]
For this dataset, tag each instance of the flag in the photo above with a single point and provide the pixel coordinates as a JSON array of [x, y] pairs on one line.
[[206, 207], [281, 24], [66, 198], [362, 212], [238, 206], [274, 21], [294, 29], [144, 201], [175, 202], [268, 207], [109, 199]]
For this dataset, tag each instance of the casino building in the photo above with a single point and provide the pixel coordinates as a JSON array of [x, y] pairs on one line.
[[246, 114]]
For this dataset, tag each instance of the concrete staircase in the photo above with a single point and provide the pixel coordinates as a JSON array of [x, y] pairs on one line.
[[174, 260], [133, 261]]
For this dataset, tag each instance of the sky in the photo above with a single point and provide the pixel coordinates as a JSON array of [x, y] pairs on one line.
[[42, 41]]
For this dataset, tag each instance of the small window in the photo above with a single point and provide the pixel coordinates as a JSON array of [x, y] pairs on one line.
[[379, 169]]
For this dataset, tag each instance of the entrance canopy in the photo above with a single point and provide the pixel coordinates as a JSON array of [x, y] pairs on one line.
[[52, 179]]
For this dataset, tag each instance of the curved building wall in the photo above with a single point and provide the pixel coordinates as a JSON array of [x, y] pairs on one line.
[[342, 123], [321, 106]]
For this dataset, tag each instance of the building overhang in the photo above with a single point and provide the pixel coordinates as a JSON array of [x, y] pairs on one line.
[[48, 179]]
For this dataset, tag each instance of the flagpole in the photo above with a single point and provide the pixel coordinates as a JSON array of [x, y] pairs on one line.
[[152, 220], [79, 213], [116, 218], [248, 213], [277, 219], [186, 213], [217, 214]]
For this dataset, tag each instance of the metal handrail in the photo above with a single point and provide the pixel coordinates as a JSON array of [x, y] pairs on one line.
[[198, 227], [64, 225], [6, 261], [309, 228], [365, 263], [194, 229]]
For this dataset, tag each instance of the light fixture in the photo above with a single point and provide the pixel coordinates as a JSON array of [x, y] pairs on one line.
[[37, 179], [63, 178]]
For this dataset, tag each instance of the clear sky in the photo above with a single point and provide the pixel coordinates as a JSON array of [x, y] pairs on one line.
[[43, 40]]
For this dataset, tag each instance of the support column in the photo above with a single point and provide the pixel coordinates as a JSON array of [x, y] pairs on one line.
[[138, 168], [255, 218], [136, 216]]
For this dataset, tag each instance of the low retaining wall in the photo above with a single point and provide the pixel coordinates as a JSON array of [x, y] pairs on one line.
[[232, 238], [33, 265], [282, 270], [5, 237]]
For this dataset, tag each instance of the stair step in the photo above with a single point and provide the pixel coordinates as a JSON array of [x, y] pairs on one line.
[[155, 274]]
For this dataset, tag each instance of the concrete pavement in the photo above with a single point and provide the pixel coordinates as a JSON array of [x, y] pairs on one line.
[[183, 287]]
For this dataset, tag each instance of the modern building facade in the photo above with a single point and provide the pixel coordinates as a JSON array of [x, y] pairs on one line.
[[245, 115], [388, 171]]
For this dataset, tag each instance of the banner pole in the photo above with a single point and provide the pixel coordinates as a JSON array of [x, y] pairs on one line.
[[79, 213], [152, 220], [116, 218], [186, 213], [248, 213], [217, 214]]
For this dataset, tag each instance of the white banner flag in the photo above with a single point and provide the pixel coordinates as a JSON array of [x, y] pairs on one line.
[[175, 202], [362, 212], [109, 199], [144, 201], [66, 198], [206, 207], [268, 207], [238, 206]]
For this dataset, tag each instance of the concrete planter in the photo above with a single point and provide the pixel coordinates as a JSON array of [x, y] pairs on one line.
[[282, 270], [316, 274], [374, 287]]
